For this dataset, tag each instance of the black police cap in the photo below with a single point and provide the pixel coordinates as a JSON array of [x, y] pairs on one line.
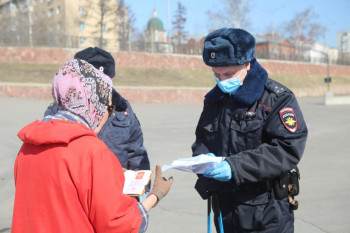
[[99, 58]]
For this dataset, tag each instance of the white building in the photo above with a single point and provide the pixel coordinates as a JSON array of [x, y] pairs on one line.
[[343, 45]]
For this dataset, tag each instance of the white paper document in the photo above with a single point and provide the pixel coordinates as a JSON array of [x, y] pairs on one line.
[[136, 181], [198, 164]]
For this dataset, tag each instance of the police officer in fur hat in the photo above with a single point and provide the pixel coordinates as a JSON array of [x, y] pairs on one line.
[[122, 132], [256, 124]]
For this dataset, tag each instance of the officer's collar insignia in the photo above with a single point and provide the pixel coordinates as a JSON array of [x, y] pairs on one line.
[[212, 55], [289, 119]]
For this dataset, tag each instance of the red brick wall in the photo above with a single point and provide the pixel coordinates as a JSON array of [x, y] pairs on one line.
[[163, 61]]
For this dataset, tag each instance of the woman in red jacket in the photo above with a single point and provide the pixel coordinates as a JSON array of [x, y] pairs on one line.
[[67, 180]]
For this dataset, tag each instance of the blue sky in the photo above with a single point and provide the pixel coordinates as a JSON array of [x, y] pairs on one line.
[[332, 14]]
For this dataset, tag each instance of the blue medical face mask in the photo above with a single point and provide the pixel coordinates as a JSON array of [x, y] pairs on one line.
[[230, 85]]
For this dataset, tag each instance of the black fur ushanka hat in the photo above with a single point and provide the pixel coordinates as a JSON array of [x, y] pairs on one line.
[[228, 47]]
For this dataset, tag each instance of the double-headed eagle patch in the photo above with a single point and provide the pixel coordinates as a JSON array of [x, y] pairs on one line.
[[289, 119]]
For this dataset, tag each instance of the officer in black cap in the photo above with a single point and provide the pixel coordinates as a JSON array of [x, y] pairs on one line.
[[122, 132], [257, 125]]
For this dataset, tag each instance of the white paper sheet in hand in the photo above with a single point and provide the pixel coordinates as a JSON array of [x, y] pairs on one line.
[[198, 164]]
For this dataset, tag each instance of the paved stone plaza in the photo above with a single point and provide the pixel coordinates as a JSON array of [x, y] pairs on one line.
[[169, 133]]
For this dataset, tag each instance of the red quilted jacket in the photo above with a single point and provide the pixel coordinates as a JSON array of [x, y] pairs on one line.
[[67, 180]]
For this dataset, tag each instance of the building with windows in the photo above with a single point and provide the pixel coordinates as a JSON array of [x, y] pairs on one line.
[[343, 45], [156, 38], [273, 47], [315, 52], [59, 23], [155, 30]]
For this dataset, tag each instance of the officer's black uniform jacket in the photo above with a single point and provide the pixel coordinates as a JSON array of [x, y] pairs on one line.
[[122, 134], [247, 128], [251, 130]]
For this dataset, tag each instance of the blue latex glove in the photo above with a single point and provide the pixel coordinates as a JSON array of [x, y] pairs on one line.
[[143, 197], [222, 172], [210, 154]]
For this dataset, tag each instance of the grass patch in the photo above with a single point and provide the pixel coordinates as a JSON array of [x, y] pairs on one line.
[[27, 73], [310, 81], [161, 77], [35, 73]]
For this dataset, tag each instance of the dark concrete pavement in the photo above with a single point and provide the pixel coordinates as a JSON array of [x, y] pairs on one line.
[[169, 133]]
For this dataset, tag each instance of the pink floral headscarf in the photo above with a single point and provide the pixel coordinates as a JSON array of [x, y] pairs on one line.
[[80, 88]]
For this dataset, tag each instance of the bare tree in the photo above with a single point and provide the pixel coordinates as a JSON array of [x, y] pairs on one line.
[[179, 33], [99, 14], [302, 26], [138, 38], [233, 13], [125, 23], [40, 31], [138, 35]]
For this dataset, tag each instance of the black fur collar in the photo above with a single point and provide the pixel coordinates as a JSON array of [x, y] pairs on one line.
[[253, 84], [118, 101], [249, 92]]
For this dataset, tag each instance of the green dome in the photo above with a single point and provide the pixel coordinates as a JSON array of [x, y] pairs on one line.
[[155, 24]]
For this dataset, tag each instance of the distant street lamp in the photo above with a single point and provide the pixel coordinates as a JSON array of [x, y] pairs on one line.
[[169, 40], [341, 48], [328, 79], [30, 22]]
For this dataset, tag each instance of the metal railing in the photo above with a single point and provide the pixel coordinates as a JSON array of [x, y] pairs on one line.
[[18, 39]]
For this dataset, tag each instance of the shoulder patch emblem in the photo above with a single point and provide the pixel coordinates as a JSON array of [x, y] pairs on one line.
[[289, 119]]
